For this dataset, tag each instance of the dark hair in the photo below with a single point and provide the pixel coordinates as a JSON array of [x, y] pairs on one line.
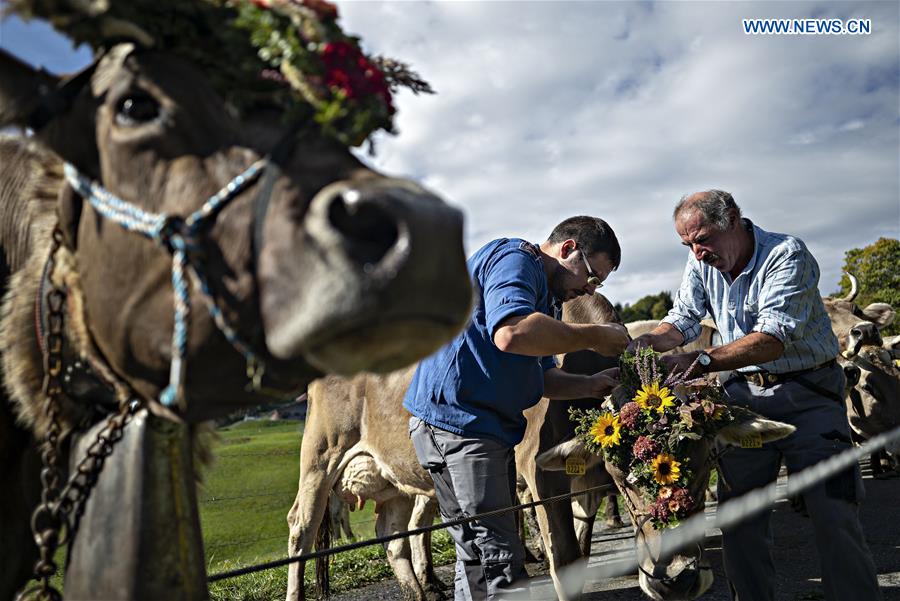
[[716, 206], [591, 234]]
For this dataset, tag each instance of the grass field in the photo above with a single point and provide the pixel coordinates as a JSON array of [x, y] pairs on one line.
[[244, 503]]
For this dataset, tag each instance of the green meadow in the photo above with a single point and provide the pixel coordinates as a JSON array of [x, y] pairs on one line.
[[244, 501]]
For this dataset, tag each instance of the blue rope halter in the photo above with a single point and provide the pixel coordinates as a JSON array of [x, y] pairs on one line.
[[177, 235]]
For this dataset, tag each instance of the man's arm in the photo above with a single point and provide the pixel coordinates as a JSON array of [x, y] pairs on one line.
[[538, 335], [560, 385], [753, 349]]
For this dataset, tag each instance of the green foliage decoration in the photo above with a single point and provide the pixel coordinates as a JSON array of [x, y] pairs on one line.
[[287, 55]]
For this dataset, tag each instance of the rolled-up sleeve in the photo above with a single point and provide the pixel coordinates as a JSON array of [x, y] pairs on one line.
[[510, 288], [689, 305], [786, 300]]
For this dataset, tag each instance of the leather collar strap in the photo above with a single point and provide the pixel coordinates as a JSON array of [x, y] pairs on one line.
[[275, 160]]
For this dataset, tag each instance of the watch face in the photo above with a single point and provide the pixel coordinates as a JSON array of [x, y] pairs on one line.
[[704, 359]]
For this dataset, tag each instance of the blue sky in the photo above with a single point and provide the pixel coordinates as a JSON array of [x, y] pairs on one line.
[[615, 109]]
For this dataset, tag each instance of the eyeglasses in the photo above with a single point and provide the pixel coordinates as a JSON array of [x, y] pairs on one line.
[[593, 279]]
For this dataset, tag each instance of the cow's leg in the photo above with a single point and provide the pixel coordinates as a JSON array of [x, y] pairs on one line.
[[534, 545], [304, 519], [558, 532], [613, 519], [584, 513], [424, 512], [394, 515], [20, 468], [339, 514]]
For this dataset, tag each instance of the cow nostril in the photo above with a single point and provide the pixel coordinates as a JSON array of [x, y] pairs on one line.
[[370, 231]]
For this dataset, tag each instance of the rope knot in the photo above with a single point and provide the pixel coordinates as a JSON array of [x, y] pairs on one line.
[[172, 232]]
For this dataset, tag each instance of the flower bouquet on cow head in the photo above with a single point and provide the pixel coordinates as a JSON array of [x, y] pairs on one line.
[[648, 428]]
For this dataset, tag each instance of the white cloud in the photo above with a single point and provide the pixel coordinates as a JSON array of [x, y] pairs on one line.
[[549, 109], [617, 109]]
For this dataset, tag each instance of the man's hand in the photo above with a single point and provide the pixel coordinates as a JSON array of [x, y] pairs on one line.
[[640, 342], [679, 363], [611, 340], [603, 382]]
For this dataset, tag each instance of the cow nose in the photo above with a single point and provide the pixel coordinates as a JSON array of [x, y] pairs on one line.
[[369, 231]]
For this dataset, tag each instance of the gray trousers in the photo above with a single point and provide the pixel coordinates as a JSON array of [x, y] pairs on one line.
[[848, 571], [472, 476]]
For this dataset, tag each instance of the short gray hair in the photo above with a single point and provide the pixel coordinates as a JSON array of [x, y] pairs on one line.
[[716, 206]]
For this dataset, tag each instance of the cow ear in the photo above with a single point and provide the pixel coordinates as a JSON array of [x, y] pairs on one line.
[[881, 314], [748, 425], [68, 211], [21, 89], [554, 459]]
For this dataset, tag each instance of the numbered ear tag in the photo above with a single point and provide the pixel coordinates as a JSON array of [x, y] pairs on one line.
[[753, 441], [574, 466]]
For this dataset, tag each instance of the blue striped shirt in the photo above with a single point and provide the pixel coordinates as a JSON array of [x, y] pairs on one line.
[[777, 294]]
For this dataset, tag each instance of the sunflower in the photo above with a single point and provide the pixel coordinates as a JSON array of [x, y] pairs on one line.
[[651, 396], [665, 469], [606, 430]]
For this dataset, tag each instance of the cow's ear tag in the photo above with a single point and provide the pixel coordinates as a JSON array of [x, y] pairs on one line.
[[574, 466], [753, 441]]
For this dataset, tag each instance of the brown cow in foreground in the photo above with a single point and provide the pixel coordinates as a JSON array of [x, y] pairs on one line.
[[344, 259]]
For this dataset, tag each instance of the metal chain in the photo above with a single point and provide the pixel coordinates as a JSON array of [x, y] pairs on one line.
[[55, 520]]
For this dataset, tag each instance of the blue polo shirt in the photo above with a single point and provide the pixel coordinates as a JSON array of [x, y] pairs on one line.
[[470, 387]]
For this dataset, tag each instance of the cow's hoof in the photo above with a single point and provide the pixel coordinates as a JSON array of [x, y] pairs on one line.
[[613, 523], [433, 594]]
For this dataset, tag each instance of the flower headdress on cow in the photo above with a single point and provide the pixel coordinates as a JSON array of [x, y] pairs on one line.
[[288, 54], [645, 425]]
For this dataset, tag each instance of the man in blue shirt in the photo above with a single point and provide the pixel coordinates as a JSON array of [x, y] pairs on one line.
[[762, 291], [467, 399]]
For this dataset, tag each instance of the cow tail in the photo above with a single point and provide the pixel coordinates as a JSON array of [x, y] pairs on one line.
[[323, 541]]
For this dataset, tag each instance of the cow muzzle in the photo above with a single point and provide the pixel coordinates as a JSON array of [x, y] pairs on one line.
[[374, 277], [683, 576]]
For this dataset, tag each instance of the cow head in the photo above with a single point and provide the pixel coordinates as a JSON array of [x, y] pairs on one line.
[[852, 325], [319, 265], [684, 574]]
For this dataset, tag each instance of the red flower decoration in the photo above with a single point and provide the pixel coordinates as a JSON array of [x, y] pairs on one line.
[[323, 9], [659, 510], [347, 70], [628, 414], [644, 448]]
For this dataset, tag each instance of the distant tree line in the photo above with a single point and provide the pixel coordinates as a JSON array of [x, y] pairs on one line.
[[877, 268], [652, 306]]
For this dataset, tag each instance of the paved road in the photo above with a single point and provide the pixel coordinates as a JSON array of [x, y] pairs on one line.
[[795, 556]]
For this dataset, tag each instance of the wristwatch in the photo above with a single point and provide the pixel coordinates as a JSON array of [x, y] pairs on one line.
[[704, 360]]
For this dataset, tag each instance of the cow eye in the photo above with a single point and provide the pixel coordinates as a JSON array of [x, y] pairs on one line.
[[135, 109]]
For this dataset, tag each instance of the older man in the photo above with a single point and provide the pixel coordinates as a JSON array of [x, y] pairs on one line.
[[762, 291], [467, 399]]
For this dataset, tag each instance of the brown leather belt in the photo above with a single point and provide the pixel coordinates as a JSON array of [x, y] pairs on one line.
[[765, 379]]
